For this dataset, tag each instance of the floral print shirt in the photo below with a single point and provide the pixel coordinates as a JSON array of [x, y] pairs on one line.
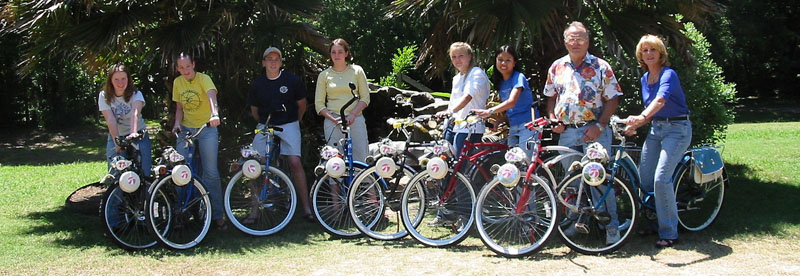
[[580, 89]]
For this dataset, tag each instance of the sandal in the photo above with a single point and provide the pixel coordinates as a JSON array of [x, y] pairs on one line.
[[662, 243]]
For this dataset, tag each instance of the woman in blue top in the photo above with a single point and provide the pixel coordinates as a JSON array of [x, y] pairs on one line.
[[669, 136], [516, 96]]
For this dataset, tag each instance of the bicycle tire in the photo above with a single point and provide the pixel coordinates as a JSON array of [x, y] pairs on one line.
[[699, 205], [331, 209], [258, 207], [593, 241], [424, 193], [508, 232], [189, 217], [374, 214], [123, 216]]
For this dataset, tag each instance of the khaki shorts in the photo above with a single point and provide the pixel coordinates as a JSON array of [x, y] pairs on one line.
[[291, 141]]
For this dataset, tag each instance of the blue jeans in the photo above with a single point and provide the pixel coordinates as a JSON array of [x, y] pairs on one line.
[[518, 136], [207, 143], [572, 137], [145, 151], [457, 139], [663, 149]]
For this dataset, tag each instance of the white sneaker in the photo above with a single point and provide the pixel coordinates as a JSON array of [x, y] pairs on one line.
[[612, 235], [439, 221]]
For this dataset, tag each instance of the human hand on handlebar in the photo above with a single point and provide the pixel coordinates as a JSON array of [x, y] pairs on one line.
[[350, 119], [214, 121], [635, 121], [629, 131]]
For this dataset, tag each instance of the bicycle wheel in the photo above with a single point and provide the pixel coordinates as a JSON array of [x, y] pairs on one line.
[[329, 201], [698, 204], [438, 212], [181, 219], [584, 226], [263, 206], [516, 222], [124, 217], [480, 174], [375, 209]]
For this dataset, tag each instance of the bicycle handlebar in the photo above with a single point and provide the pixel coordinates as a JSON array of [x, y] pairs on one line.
[[351, 101]]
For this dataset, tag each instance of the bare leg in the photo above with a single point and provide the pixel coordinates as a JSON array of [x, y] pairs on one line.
[[299, 180]]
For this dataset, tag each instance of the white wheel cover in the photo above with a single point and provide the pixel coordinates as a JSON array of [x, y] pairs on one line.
[[508, 175], [385, 167], [181, 175], [594, 174], [335, 167], [436, 168], [129, 182], [251, 169]]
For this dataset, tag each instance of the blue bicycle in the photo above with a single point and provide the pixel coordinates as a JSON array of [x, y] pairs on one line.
[[179, 206], [335, 175], [124, 203], [260, 199]]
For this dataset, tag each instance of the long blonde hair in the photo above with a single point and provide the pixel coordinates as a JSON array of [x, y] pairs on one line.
[[465, 47], [108, 89]]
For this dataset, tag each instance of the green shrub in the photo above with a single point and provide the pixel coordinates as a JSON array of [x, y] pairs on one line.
[[401, 62], [708, 95]]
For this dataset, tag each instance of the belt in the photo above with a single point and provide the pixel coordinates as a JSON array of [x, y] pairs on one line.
[[579, 124], [676, 118]]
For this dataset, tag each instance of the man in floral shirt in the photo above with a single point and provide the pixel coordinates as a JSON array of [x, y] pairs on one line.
[[582, 94]]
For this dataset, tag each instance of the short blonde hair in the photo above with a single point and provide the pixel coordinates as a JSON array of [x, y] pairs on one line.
[[463, 46], [656, 42]]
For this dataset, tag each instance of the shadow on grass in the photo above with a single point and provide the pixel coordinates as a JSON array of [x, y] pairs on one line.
[[752, 207], [34, 147]]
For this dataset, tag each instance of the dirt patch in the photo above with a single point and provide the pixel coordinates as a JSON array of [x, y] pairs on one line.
[[86, 200]]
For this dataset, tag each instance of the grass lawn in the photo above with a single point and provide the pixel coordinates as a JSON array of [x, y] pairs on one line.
[[758, 230]]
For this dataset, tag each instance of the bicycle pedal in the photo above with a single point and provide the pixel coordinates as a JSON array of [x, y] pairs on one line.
[[603, 218], [582, 228]]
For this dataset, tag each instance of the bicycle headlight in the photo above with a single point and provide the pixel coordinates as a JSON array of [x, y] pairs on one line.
[[121, 164], [515, 155], [328, 152], [181, 175], [251, 169], [508, 175], [175, 157], [129, 182], [249, 152], [335, 167], [596, 152], [593, 173], [436, 168], [385, 167], [443, 147], [385, 149]]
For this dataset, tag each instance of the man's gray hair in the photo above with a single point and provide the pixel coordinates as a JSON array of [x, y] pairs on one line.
[[576, 25]]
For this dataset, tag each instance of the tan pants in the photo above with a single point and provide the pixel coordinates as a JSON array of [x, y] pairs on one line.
[[358, 133]]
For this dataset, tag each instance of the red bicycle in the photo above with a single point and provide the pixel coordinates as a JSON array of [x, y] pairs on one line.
[[441, 199]]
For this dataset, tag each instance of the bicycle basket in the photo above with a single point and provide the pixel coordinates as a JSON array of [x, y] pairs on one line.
[[708, 164]]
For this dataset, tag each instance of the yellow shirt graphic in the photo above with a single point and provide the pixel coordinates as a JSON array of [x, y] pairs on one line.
[[194, 98]]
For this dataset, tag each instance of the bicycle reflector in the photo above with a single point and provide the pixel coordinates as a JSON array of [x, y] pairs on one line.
[[594, 173], [335, 167], [129, 182], [251, 169], [436, 168], [181, 175], [515, 155], [508, 175], [328, 152]]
